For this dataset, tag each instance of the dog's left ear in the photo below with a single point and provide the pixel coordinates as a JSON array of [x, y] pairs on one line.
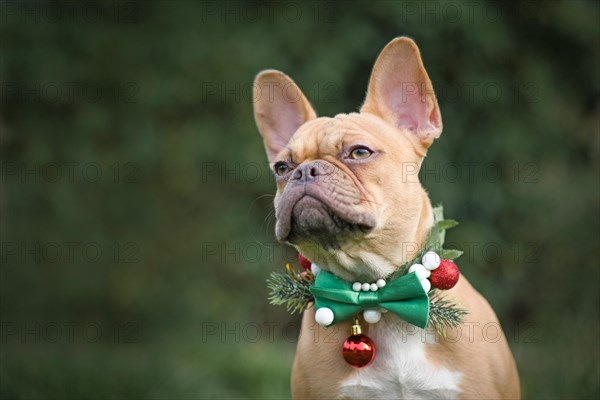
[[401, 93], [280, 108]]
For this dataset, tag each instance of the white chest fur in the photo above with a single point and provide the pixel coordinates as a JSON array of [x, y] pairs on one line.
[[400, 369]]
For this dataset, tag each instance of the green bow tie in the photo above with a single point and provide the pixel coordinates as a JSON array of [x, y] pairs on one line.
[[404, 296]]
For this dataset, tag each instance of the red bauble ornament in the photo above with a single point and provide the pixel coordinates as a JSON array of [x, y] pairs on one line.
[[358, 350], [445, 276], [304, 262]]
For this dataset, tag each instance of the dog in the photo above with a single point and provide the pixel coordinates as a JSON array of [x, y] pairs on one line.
[[346, 200]]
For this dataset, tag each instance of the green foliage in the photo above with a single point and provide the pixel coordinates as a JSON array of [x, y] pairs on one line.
[[185, 229], [444, 313], [290, 288]]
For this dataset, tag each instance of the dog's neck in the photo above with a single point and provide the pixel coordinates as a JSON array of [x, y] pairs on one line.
[[363, 263], [422, 230]]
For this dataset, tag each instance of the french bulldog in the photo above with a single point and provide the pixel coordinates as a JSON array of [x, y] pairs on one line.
[[349, 198]]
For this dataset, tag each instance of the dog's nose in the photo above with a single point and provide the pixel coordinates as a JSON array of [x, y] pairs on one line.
[[309, 172]]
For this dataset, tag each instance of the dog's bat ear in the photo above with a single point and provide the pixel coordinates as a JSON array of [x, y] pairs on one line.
[[280, 109], [401, 93]]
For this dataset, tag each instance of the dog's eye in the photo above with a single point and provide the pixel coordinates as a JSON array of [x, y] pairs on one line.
[[360, 153], [281, 168]]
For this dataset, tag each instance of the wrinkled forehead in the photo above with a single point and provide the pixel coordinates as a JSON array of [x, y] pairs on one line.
[[330, 136]]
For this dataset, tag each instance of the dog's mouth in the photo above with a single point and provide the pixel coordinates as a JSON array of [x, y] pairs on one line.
[[307, 214]]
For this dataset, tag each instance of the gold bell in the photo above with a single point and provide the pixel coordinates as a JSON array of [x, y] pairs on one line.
[[356, 329]]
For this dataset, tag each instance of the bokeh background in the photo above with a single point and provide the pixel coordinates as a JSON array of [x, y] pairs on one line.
[[135, 202]]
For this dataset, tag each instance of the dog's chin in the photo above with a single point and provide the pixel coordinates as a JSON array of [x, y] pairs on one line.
[[314, 222]]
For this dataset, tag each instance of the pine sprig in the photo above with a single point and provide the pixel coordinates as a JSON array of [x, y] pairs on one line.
[[444, 313], [290, 288]]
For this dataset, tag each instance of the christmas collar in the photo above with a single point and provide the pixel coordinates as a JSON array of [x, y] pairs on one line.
[[407, 293]]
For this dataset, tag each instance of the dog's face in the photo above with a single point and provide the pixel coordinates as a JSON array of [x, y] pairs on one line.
[[348, 195]]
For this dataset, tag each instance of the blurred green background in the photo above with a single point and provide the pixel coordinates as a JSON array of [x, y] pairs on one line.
[[135, 192]]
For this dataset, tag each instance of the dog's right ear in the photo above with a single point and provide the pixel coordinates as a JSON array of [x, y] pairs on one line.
[[280, 109]]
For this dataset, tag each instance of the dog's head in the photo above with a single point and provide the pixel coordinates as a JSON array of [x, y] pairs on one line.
[[348, 195]]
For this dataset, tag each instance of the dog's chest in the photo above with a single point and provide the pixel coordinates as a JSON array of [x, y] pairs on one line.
[[401, 369]]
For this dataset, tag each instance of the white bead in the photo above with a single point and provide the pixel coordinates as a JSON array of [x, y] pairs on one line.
[[426, 285], [372, 315], [374, 287], [357, 286], [315, 269], [421, 271], [366, 287], [380, 283], [431, 260], [324, 316]]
